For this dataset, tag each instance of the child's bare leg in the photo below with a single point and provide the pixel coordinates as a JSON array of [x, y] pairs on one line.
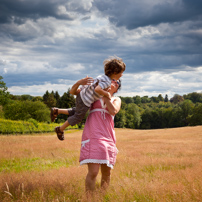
[[56, 111], [63, 111], [65, 125]]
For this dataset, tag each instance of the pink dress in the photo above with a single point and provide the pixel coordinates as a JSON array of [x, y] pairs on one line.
[[98, 139]]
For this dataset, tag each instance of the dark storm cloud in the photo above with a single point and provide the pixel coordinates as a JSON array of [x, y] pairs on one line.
[[178, 43], [18, 11], [14, 13], [157, 62], [133, 14]]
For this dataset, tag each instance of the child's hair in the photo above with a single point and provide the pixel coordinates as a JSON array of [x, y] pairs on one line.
[[113, 65]]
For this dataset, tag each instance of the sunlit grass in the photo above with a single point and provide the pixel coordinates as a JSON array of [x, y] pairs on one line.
[[34, 164], [152, 165]]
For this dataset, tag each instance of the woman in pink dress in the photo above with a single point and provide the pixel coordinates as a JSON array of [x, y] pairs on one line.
[[98, 146]]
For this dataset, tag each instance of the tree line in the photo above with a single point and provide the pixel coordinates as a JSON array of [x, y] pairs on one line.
[[136, 112], [158, 112]]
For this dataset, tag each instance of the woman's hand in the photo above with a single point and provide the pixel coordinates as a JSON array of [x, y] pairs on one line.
[[108, 95]]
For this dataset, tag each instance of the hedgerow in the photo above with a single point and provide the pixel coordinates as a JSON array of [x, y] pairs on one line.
[[27, 127]]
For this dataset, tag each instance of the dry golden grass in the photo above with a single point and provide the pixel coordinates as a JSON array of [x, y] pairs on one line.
[[152, 165]]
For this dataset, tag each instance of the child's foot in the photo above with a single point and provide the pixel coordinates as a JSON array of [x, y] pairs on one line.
[[54, 114], [60, 133]]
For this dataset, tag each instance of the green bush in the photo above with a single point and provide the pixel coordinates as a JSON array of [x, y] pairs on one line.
[[26, 127], [196, 118], [1, 112], [24, 110]]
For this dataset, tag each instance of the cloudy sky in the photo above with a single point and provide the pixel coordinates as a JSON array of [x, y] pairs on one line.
[[50, 44]]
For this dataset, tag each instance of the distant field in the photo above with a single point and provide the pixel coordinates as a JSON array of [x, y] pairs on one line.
[[152, 165]]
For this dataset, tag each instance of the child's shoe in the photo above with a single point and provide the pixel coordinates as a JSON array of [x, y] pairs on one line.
[[60, 134], [54, 114]]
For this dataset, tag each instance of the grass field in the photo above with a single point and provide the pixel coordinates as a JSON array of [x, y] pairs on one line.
[[152, 165]]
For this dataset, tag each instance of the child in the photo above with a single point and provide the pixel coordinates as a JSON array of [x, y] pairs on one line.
[[92, 91]]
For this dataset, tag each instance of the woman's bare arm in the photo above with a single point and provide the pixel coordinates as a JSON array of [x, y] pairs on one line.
[[114, 106], [102, 92]]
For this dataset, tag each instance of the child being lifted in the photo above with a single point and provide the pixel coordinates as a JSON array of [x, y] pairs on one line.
[[90, 91]]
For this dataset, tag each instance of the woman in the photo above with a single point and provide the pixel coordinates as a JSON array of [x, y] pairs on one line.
[[98, 147]]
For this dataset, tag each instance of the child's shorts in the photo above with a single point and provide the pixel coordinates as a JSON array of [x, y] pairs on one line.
[[76, 114]]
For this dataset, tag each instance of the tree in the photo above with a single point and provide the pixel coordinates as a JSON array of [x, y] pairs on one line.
[[133, 118], [176, 120], [128, 100], [24, 110], [166, 98], [137, 99], [1, 112], [123, 104], [4, 95], [15, 97], [26, 97], [57, 97], [156, 121], [46, 96], [120, 119], [154, 99], [166, 116], [160, 98], [67, 100], [176, 99], [196, 118], [3, 87], [49, 99], [187, 110], [194, 97], [37, 98], [51, 102], [145, 99], [146, 119]]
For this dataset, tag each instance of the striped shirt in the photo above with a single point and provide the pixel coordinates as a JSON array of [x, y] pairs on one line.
[[88, 94]]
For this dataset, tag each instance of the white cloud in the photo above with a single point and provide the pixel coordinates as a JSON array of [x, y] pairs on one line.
[[142, 84], [155, 83], [39, 90], [76, 5], [38, 67]]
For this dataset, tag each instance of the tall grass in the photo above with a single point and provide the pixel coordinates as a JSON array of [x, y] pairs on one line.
[[152, 165]]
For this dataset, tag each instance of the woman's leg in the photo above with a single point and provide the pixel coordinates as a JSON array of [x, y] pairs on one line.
[[106, 174], [93, 169]]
